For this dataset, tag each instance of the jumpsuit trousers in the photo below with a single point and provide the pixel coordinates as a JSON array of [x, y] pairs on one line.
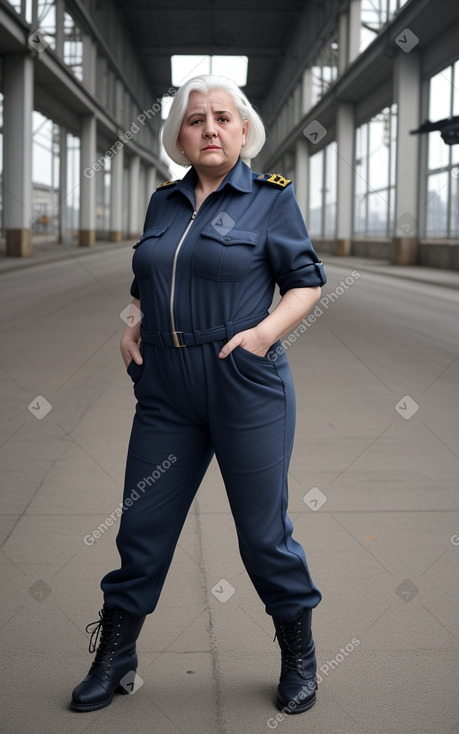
[[191, 404]]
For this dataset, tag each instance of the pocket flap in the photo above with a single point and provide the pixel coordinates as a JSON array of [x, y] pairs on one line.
[[231, 237], [152, 232]]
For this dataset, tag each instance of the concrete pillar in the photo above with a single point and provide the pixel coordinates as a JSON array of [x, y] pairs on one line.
[[116, 197], [90, 63], [88, 156], [354, 30], [152, 182], [302, 175], [343, 42], [345, 178], [306, 96], [135, 227], [64, 237], [60, 11], [408, 98], [17, 152]]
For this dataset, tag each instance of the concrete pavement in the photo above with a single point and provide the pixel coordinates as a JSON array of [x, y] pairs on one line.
[[373, 496]]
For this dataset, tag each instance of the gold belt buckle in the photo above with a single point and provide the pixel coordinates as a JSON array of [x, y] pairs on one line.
[[176, 339]]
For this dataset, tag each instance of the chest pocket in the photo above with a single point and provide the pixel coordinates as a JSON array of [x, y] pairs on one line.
[[224, 257], [144, 251]]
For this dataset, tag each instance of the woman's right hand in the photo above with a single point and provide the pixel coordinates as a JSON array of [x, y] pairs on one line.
[[130, 341], [130, 349]]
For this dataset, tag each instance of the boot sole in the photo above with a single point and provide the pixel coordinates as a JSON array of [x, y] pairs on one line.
[[299, 708], [85, 707]]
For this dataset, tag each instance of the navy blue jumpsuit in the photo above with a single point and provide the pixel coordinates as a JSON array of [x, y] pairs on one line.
[[201, 278]]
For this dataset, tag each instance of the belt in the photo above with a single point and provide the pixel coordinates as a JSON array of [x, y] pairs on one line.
[[200, 336]]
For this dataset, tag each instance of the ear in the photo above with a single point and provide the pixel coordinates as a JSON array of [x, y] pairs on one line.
[[245, 130]]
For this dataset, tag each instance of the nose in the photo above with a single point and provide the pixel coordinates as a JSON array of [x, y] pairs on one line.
[[210, 130]]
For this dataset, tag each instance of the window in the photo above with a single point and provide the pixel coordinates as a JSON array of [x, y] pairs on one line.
[[325, 68], [442, 209], [374, 14], [375, 175], [73, 46], [322, 192], [185, 67]]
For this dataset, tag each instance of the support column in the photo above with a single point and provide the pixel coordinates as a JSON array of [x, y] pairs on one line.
[[134, 228], [17, 147], [88, 155], [306, 95], [408, 97], [302, 175], [345, 179], [152, 182], [355, 12], [63, 190], [60, 12], [116, 197]]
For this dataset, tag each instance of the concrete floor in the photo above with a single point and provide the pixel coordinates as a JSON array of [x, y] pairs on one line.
[[373, 497]]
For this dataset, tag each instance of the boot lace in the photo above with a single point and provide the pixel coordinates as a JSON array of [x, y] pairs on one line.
[[104, 636], [289, 636]]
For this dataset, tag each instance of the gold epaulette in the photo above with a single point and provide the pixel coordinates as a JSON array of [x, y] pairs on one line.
[[168, 183], [275, 179]]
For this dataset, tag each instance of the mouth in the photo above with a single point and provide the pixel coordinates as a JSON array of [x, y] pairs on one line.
[[212, 147]]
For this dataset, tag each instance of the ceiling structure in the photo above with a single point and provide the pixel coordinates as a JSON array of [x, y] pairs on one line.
[[261, 30]]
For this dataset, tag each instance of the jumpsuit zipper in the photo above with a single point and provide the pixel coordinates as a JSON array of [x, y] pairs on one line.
[[174, 271]]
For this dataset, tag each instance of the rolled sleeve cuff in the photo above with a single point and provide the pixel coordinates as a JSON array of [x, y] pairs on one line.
[[135, 289], [309, 276]]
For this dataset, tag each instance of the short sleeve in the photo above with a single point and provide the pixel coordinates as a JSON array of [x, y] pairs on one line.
[[135, 293], [134, 290], [293, 259]]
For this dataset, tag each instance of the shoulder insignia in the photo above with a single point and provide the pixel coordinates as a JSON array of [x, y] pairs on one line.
[[168, 183], [275, 179]]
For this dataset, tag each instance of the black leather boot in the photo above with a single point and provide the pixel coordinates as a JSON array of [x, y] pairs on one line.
[[115, 657], [297, 686]]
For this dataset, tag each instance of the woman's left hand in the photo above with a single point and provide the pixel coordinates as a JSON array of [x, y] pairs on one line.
[[251, 340]]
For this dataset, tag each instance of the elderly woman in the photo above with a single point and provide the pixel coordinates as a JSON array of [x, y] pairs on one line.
[[210, 377]]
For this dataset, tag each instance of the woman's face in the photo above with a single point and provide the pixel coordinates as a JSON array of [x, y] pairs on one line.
[[212, 132]]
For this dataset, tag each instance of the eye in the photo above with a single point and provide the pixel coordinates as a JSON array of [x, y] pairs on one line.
[[223, 119], [195, 122]]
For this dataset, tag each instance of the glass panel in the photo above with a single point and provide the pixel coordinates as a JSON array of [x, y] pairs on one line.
[[378, 168], [377, 213], [454, 219], [440, 95], [315, 193], [73, 47], [437, 205], [456, 90], [438, 151], [331, 162]]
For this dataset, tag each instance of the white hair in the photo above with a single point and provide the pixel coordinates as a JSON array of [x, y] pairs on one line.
[[256, 135]]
